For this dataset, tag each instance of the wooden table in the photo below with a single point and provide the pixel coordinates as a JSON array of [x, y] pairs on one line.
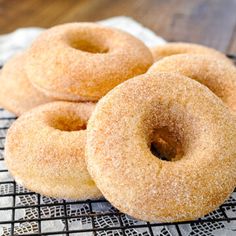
[[209, 22]]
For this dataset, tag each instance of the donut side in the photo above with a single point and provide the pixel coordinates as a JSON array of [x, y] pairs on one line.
[[17, 94], [174, 48]]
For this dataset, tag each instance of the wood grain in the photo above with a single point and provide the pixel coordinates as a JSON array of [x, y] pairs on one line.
[[209, 22]]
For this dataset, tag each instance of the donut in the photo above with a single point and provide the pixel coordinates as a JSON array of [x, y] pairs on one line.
[[218, 75], [17, 94], [120, 133], [44, 150], [169, 49], [83, 61]]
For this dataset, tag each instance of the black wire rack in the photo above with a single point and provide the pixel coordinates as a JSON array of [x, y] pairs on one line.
[[23, 212]]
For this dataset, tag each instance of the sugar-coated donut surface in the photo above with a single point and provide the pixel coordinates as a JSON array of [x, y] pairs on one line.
[[169, 49], [17, 94], [44, 150], [218, 75], [83, 61], [121, 130]]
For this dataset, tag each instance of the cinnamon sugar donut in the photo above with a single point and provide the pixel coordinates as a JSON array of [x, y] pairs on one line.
[[45, 150], [83, 61], [119, 137], [17, 94], [169, 49], [218, 75]]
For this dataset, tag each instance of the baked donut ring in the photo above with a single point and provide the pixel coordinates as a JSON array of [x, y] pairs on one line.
[[44, 150], [17, 94], [83, 61], [169, 49], [119, 136], [218, 75]]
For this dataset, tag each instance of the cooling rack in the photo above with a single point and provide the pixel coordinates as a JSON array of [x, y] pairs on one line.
[[23, 212]]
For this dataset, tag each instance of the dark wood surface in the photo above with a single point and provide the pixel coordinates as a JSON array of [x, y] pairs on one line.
[[209, 22]]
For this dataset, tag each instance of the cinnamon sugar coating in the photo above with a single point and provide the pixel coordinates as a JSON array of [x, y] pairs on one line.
[[44, 150], [17, 94], [119, 136], [83, 61]]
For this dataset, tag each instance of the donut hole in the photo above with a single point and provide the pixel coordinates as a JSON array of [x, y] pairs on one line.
[[165, 145], [88, 46], [69, 124]]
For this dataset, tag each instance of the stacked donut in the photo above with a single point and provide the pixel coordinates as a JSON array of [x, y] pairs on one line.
[[72, 62], [160, 144]]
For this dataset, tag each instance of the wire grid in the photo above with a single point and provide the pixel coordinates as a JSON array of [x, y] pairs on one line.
[[101, 222]]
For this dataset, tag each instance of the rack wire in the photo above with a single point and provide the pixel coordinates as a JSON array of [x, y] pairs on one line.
[[23, 212]]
